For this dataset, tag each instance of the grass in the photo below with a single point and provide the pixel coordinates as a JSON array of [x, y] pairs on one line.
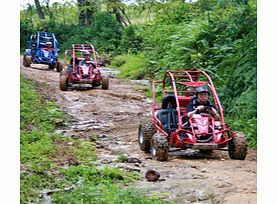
[[43, 156], [213, 198], [130, 66]]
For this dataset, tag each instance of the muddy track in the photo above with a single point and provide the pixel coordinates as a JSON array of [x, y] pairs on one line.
[[113, 117]]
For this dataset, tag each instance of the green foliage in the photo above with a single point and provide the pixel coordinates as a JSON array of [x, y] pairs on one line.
[[122, 158], [247, 126], [100, 186], [102, 194], [216, 36], [25, 33], [36, 141], [40, 149], [33, 113], [213, 198], [105, 32], [130, 66], [84, 152], [131, 40], [105, 185], [31, 182], [174, 12]]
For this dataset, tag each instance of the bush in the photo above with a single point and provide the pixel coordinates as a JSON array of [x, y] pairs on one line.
[[130, 66], [131, 40]]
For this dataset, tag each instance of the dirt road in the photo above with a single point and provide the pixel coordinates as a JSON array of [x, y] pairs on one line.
[[113, 116]]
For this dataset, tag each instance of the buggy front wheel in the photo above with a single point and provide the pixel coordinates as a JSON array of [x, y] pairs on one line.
[[237, 147], [27, 60], [145, 133], [63, 82], [51, 66], [159, 147], [105, 82], [59, 66]]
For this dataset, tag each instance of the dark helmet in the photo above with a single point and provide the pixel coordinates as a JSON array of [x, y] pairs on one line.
[[202, 89]]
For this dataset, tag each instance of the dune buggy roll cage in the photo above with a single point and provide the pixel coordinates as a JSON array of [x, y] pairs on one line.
[[38, 41], [80, 48], [184, 80]]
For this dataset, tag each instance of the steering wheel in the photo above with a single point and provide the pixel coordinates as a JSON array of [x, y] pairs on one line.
[[89, 62], [207, 111], [208, 108]]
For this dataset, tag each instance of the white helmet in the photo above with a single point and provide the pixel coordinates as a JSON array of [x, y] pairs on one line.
[[48, 43]]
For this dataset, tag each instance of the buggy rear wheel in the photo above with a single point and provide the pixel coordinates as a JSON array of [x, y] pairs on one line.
[[59, 66], [27, 60], [146, 131], [159, 147], [105, 82], [63, 82], [237, 147]]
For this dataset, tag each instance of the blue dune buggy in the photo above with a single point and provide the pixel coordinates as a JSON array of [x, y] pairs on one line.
[[37, 52]]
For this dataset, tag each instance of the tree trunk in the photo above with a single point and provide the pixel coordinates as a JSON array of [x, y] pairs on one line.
[[50, 13], [125, 15], [116, 7], [86, 9], [39, 10], [30, 18]]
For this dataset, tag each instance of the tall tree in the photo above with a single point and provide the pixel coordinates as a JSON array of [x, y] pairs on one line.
[[118, 9], [39, 10], [86, 8], [48, 10]]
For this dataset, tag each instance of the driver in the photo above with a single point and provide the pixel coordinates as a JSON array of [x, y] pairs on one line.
[[197, 105], [87, 56], [48, 47], [87, 59]]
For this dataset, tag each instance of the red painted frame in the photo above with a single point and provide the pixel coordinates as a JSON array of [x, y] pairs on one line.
[[192, 79], [82, 48]]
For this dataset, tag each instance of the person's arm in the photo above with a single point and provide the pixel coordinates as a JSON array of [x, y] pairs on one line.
[[198, 109], [215, 114], [191, 113]]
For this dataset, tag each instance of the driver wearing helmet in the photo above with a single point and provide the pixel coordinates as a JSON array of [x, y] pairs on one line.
[[87, 56], [48, 47], [86, 59], [200, 103]]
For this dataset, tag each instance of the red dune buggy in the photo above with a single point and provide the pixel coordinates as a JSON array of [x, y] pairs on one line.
[[170, 127], [81, 70]]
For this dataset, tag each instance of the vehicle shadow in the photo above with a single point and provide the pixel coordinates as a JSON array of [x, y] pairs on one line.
[[196, 154], [81, 88]]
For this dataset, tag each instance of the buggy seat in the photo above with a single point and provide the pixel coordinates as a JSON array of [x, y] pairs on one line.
[[168, 114], [183, 102], [168, 118]]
